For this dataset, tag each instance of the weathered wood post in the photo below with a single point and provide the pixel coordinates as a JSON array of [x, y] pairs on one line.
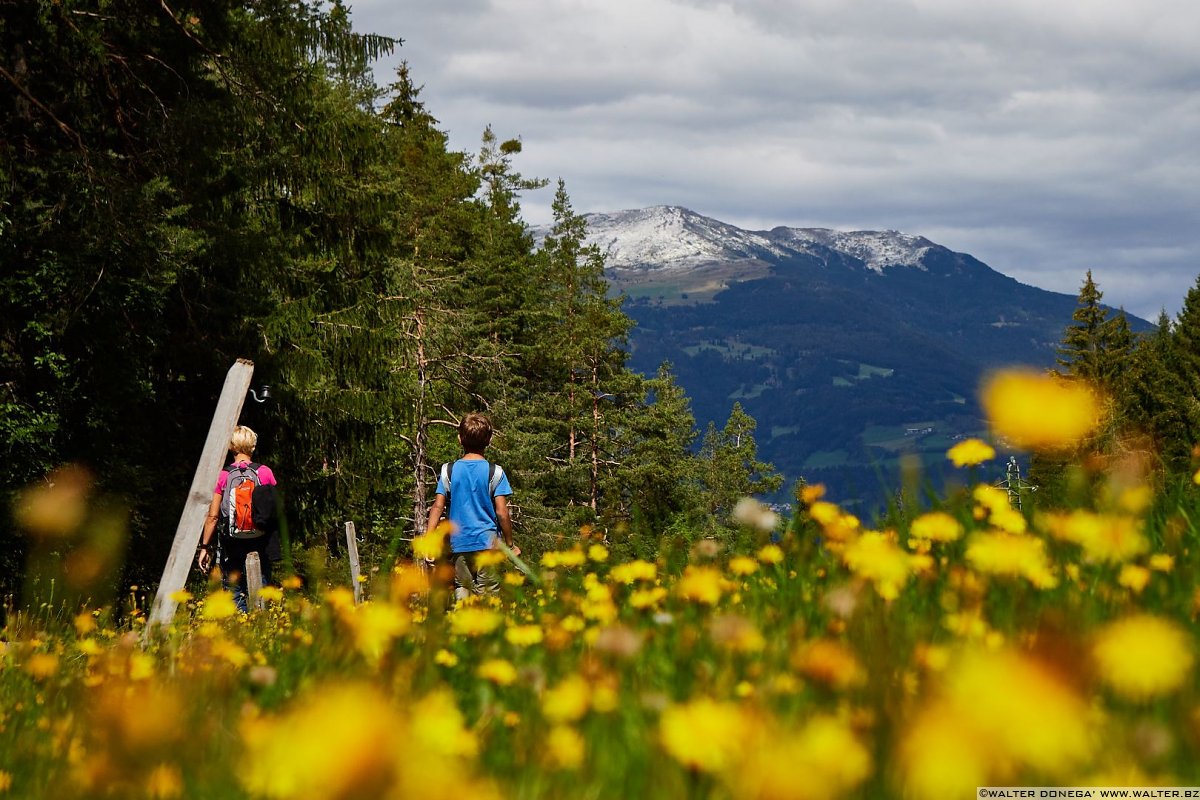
[[191, 521], [254, 581], [352, 553]]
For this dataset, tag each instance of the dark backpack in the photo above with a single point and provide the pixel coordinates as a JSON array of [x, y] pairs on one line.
[[494, 470], [237, 503]]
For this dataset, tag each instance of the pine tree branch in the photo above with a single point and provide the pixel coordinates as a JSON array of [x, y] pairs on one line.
[[62, 126]]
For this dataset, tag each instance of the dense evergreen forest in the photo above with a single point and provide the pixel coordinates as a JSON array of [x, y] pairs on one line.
[[195, 181]]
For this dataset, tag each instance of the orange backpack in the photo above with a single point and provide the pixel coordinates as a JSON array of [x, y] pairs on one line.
[[237, 504]]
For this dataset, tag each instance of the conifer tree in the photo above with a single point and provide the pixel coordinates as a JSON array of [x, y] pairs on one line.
[[657, 483], [729, 467], [1083, 352], [1153, 400], [1185, 358]]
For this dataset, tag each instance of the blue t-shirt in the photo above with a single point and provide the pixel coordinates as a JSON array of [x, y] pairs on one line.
[[472, 510]]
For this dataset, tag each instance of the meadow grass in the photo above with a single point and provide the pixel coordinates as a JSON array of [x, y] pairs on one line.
[[970, 643]]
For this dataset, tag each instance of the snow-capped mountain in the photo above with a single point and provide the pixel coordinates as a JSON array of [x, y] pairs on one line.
[[849, 348], [671, 238]]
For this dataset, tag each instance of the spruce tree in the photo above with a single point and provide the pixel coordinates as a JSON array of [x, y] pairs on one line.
[[729, 468], [1153, 401], [1084, 344]]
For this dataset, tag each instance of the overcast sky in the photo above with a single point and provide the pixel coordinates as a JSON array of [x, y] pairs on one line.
[[1044, 137]]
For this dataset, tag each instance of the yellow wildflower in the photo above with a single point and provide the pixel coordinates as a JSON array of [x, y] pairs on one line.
[[438, 726], [877, 558], [999, 510], [830, 663], [1038, 411], [1143, 656], [705, 734], [42, 665], [568, 701], [824, 759], [836, 525], [340, 598], [85, 623], [445, 658], [574, 557], [430, 545], [523, 635], [1133, 577], [632, 571], [998, 710], [473, 621], [164, 781], [936, 526], [970, 452], [271, 594], [1161, 562], [743, 565], [338, 742], [771, 554], [1012, 555], [376, 626], [824, 512], [812, 493], [701, 585], [598, 552], [565, 747], [141, 665], [219, 605], [940, 758], [647, 598], [1135, 499], [498, 671], [1111, 538]]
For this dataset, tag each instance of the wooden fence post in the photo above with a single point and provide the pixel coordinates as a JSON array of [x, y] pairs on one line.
[[254, 581], [191, 521], [352, 552]]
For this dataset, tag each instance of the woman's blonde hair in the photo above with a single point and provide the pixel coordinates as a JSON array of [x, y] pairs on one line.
[[243, 440]]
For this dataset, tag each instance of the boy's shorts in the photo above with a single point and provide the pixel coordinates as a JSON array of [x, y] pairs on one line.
[[469, 578]]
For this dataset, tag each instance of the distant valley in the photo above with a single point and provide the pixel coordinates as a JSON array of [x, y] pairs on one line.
[[850, 349]]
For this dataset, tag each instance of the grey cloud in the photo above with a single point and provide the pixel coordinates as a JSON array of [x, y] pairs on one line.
[[1043, 138]]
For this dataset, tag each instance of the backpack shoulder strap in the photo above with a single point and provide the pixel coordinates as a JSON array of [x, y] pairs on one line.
[[445, 475], [497, 474]]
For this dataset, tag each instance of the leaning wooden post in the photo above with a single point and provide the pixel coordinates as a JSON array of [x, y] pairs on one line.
[[254, 581], [191, 521], [352, 552]]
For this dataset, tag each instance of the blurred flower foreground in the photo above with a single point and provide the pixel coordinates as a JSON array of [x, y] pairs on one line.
[[971, 641]]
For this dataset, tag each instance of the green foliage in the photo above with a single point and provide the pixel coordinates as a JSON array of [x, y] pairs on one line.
[[729, 468], [214, 180]]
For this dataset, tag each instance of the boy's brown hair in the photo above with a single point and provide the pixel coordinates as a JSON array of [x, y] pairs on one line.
[[475, 432]]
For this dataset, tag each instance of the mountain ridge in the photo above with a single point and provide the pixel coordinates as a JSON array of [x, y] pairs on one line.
[[851, 349]]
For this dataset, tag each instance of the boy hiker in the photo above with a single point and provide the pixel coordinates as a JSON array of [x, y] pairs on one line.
[[243, 503], [477, 493]]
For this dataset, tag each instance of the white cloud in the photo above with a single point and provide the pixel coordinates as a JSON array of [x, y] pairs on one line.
[[1043, 138]]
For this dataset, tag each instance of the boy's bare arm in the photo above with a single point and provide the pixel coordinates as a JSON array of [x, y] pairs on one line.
[[504, 518], [435, 512]]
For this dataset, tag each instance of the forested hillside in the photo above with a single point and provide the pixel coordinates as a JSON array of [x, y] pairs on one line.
[[189, 183]]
